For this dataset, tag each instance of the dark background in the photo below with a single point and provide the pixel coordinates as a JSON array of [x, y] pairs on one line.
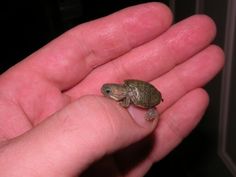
[[28, 25]]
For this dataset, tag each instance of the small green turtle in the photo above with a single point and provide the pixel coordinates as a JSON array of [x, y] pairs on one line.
[[137, 92]]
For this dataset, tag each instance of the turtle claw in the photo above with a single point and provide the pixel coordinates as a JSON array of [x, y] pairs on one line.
[[151, 114]]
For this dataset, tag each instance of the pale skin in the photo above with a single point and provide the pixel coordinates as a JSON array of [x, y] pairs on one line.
[[49, 127]]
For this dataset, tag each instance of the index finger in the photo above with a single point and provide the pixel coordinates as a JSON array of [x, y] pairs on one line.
[[67, 59]]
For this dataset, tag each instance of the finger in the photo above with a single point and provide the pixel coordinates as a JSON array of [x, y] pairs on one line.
[[178, 121], [175, 124], [155, 58], [66, 60], [72, 139], [194, 73]]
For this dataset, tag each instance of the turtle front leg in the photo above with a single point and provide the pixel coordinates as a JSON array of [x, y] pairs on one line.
[[125, 102], [151, 114]]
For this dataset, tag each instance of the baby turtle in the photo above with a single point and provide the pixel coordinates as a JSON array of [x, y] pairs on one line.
[[137, 92]]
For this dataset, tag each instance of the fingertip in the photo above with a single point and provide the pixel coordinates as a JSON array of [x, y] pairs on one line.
[[205, 21], [197, 31], [203, 96], [210, 61], [158, 8], [219, 55]]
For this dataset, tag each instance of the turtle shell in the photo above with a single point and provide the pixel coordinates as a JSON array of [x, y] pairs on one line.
[[143, 94]]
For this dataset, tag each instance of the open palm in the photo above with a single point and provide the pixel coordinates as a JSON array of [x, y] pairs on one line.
[[54, 121]]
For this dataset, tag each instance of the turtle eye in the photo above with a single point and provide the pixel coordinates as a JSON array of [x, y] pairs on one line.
[[108, 91]]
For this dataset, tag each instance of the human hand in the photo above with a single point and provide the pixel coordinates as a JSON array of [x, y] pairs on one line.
[[49, 127]]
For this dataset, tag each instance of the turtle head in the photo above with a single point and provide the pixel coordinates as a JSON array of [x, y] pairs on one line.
[[114, 91]]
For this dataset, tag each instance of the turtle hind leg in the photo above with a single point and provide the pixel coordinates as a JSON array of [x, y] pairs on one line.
[[151, 114]]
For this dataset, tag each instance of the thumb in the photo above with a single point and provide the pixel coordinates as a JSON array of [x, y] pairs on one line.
[[70, 140]]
